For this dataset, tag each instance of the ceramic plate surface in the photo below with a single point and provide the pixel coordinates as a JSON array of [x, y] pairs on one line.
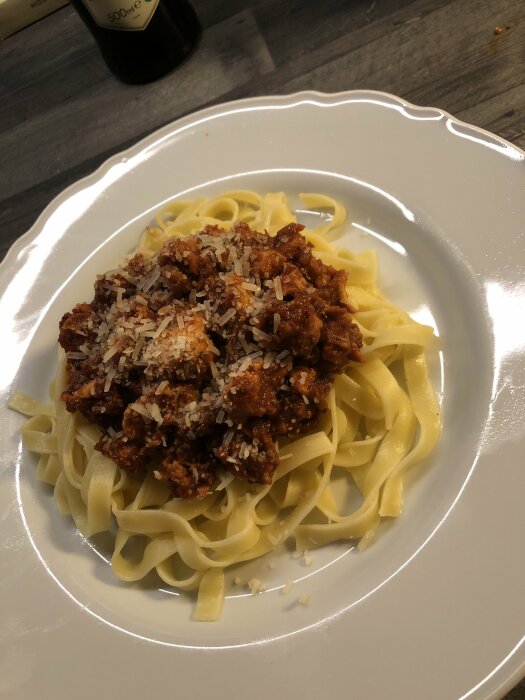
[[435, 608]]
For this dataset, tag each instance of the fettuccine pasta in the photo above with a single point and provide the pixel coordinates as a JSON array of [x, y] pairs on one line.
[[374, 430]]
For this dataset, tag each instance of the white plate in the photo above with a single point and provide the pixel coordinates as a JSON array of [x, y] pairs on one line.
[[435, 608]]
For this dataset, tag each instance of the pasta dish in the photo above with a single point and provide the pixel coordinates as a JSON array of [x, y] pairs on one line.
[[220, 382]]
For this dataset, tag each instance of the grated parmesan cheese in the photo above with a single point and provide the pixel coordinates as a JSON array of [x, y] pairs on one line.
[[163, 325], [257, 332], [251, 287], [109, 354], [227, 315], [278, 289], [256, 586], [75, 356], [139, 408], [155, 413], [109, 378], [150, 279], [287, 587], [365, 540], [307, 559]]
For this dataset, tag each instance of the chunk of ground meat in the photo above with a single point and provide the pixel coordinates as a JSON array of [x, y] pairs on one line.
[[253, 392], [250, 454], [182, 252], [179, 407], [295, 416], [173, 400], [341, 340], [106, 290], [302, 402], [124, 344], [187, 255], [74, 327], [295, 248], [138, 265], [248, 237], [178, 282], [182, 353], [308, 382], [292, 281], [266, 263], [233, 295], [163, 297], [330, 283], [187, 479], [93, 402], [299, 328], [130, 456]]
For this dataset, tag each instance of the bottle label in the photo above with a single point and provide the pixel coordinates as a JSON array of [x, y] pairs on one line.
[[126, 15]]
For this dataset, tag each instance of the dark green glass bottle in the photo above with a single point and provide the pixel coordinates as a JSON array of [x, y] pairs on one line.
[[141, 40]]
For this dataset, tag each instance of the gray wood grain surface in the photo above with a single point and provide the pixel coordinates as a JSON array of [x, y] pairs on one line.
[[62, 113]]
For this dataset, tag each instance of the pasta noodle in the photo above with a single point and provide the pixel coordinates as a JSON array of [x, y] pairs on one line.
[[375, 429]]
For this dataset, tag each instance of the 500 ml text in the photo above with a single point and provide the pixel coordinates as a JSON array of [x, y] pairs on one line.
[[124, 11]]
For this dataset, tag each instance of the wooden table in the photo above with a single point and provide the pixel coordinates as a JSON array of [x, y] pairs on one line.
[[62, 113]]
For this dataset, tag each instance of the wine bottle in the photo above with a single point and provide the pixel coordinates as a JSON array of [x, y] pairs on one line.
[[141, 40]]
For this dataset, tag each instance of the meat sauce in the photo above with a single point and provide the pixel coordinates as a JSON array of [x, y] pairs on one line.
[[194, 361]]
